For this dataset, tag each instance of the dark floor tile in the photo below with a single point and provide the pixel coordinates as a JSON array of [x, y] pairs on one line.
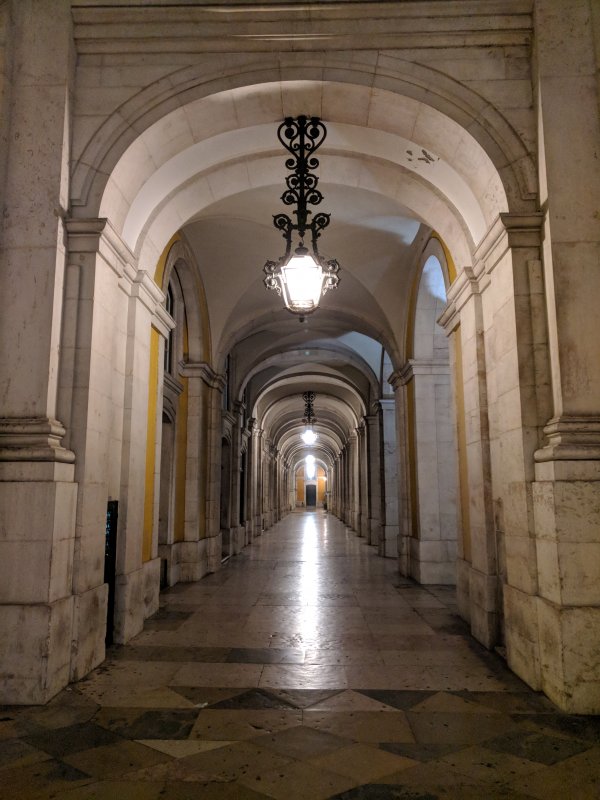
[[585, 728], [253, 700], [65, 741], [537, 746], [48, 779], [301, 742], [15, 751], [168, 654], [382, 791], [166, 620], [397, 698], [305, 698], [419, 752], [443, 621], [264, 655], [441, 727], [213, 790], [510, 702], [204, 696], [149, 724]]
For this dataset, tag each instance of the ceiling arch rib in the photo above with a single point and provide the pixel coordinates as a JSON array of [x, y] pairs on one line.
[[327, 389], [245, 145], [275, 330], [322, 359], [415, 84]]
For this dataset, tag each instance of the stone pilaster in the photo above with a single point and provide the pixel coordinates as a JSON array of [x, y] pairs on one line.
[[431, 543], [138, 565], [374, 475], [363, 478], [566, 491], [477, 580], [201, 551], [38, 494], [388, 544]]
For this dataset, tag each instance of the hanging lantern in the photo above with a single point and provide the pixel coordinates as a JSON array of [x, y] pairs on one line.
[[301, 276]]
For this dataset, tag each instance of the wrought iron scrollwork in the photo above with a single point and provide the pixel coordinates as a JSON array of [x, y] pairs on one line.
[[309, 417], [301, 137]]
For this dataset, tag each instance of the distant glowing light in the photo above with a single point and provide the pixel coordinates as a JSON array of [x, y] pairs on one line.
[[311, 469], [309, 436]]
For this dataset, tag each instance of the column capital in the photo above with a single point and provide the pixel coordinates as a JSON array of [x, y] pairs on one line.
[[508, 231], [461, 291], [96, 235], [202, 370], [418, 366]]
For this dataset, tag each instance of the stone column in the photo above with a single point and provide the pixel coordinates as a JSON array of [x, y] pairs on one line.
[[237, 530], [138, 565], [256, 478], [354, 482], [345, 483], [265, 492], [201, 551], [388, 545], [567, 472], [477, 578], [431, 474], [37, 490], [363, 471], [374, 476]]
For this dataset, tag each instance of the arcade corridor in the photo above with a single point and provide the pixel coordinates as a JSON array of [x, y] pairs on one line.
[[305, 668]]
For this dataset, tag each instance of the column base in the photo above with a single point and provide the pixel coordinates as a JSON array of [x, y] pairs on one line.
[[521, 633], [89, 631], [35, 651], [169, 555], [374, 531], [433, 561], [238, 539], [570, 657], [193, 561], [477, 599], [136, 599], [389, 544]]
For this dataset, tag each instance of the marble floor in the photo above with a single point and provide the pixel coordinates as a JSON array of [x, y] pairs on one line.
[[305, 669]]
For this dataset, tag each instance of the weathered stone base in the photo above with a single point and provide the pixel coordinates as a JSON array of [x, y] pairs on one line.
[[389, 543], [522, 635], [89, 631], [193, 561], [363, 526], [226, 535], [555, 649], [34, 667], [170, 553], [213, 553], [477, 600], [136, 599], [463, 588], [238, 539], [570, 656], [485, 612], [374, 531], [433, 561]]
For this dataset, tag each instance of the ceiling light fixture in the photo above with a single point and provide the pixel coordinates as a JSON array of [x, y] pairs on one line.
[[303, 275], [309, 437]]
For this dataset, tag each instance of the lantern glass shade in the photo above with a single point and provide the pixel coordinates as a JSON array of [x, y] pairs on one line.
[[309, 436], [301, 283]]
